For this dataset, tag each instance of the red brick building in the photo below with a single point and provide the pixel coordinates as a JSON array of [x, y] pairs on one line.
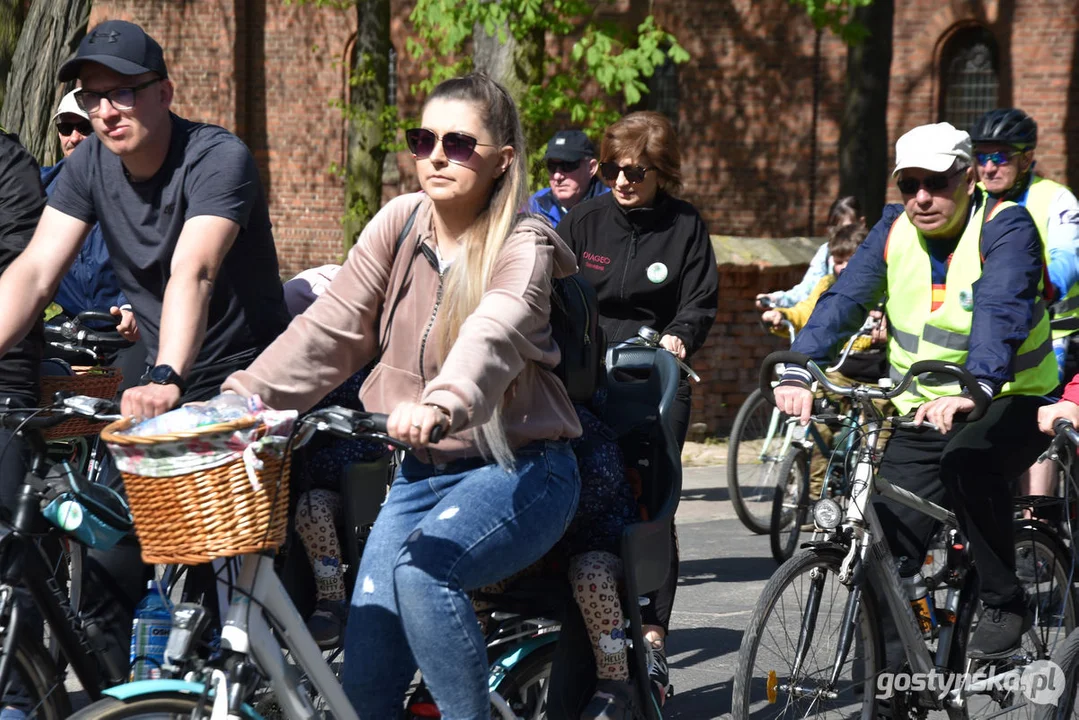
[[744, 104]]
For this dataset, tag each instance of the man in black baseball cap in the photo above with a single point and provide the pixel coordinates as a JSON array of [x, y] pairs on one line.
[[118, 45], [571, 164]]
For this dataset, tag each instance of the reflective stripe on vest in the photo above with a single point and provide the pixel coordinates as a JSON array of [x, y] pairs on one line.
[[917, 332], [1040, 196]]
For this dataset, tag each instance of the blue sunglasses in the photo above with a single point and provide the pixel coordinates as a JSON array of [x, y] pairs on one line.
[[997, 158]]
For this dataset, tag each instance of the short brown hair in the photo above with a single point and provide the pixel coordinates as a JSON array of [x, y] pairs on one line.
[[650, 138], [845, 239], [844, 210]]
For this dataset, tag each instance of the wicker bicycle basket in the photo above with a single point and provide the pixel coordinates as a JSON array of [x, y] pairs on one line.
[[99, 382], [212, 513]]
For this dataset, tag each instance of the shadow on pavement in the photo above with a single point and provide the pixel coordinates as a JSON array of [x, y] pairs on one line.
[[725, 570], [710, 494], [707, 701]]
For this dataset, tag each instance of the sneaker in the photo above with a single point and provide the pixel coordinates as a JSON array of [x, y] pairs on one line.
[[12, 713], [613, 700], [999, 632], [659, 674], [327, 623]]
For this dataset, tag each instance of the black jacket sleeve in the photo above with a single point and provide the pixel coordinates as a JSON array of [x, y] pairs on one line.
[[21, 198], [698, 291]]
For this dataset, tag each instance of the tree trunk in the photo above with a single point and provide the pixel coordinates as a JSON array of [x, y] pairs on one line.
[[12, 15], [863, 136], [50, 36], [363, 191]]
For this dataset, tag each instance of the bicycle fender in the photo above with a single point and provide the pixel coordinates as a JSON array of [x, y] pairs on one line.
[[132, 690], [504, 664]]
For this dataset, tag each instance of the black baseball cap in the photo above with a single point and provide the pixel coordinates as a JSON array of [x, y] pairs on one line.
[[569, 145], [121, 46]]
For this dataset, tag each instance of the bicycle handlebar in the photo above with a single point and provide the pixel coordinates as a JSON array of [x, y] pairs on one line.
[[64, 407], [1063, 428], [966, 380], [350, 424]]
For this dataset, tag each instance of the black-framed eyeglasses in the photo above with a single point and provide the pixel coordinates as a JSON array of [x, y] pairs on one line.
[[634, 173], [83, 126], [563, 166], [457, 146], [932, 183], [121, 98], [1000, 157]]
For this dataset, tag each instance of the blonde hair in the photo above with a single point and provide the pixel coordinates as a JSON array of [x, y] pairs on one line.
[[468, 277]]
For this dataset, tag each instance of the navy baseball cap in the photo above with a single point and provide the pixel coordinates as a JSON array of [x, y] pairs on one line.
[[121, 46], [569, 145]]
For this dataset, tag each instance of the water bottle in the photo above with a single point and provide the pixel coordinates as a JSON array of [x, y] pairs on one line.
[[922, 603], [150, 635]]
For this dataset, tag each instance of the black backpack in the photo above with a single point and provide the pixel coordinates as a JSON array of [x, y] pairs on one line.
[[574, 326]]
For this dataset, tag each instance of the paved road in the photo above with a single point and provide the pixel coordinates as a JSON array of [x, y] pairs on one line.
[[724, 568]]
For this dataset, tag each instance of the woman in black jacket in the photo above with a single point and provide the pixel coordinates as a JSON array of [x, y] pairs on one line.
[[648, 255]]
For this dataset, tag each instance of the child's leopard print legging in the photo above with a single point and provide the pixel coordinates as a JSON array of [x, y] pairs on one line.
[[594, 577], [315, 524]]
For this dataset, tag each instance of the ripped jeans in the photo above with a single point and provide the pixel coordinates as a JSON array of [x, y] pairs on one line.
[[442, 532]]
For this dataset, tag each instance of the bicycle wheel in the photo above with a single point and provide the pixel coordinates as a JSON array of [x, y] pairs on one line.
[[756, 447], [1044, 570], [156, 706], [790, 504], [43, 695], [803, 606], [525, 686], [1063, 706]]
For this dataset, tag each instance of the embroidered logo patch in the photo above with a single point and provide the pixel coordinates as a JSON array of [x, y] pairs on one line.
[[966, 300], [657, 272]]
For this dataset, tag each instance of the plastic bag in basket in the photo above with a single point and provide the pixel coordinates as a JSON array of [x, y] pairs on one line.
[[184, 442]]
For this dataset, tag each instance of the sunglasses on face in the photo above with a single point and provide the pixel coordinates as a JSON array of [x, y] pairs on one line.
[[83, 126], [122, 98], [562, 166], [458, 147], [932, 183], [634, 173], [997, 158]]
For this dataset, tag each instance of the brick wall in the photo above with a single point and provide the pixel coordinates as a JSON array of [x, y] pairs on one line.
[[731, 357]]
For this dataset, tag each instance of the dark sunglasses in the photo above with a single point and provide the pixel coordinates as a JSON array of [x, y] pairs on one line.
[[83, 126], [997, 158], [562, 166], [932, 183], [634, 173], [457, 146]]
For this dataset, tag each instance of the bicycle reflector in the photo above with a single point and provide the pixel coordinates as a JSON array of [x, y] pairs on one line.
[[826, 513]]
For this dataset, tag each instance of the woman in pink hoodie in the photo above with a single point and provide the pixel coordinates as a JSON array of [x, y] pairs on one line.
[[458, 314]]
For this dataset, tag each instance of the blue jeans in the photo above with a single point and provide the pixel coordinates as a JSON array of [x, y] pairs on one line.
[[442, 532]]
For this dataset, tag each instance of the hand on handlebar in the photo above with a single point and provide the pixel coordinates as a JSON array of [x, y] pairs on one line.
[[675, 345], [796, 401], [764, 301], [772, 317], [1049, 414], [412, 423], [128, 326], [941, 412], [147, 401], [879, 335]]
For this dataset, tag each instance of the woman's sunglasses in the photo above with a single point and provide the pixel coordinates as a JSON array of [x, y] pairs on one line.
[[932, 183], [457, 146], [66, 128], [634, 173]]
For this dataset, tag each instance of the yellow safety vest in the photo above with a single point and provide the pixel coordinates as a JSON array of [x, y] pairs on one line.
[[1040, 196], [917, 332]]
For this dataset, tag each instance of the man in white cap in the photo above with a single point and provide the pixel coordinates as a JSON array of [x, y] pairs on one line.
[[90, 283], [964, 280]]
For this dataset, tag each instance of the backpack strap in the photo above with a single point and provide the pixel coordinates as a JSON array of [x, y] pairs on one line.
[[407, 228]]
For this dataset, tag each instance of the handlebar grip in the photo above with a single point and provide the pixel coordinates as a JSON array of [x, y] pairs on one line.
[[112, 340], [99, 317], [1063, 426], [786, 357], [960, 373]]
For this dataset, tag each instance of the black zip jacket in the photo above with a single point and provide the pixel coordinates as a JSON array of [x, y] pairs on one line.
[[21, 201], [650, 266]]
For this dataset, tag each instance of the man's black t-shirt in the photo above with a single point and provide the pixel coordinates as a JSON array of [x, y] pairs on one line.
[[208, 171], [21, 201]]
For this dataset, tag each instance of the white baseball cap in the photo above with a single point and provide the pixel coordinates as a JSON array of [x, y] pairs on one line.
[[933, 147], [69, 105]]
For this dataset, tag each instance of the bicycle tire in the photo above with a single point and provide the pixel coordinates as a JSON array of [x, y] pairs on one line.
[[790, 504], [516, 687], [752, 502], [1066, 657], [48, 697], [158, 706], [870, 647]]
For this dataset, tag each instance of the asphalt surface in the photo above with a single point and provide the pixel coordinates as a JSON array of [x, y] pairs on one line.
[[723, 570]]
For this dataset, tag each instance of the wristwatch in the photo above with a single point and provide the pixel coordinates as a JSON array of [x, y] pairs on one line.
[[164, 375]]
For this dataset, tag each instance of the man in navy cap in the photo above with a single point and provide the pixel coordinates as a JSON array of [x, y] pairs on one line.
[[571, 163], [184, 217]]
